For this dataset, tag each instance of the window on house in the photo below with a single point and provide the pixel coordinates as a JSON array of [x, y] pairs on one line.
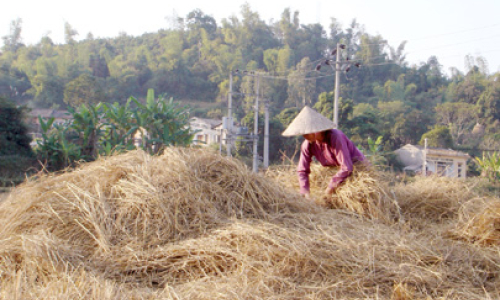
[[441, 168]]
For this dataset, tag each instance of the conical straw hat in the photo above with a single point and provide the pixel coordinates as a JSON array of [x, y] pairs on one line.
[[308, 121]]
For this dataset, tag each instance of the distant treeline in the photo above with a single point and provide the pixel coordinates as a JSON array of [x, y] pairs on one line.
[[380, 94]]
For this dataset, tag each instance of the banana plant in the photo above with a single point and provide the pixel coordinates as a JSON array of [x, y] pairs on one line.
[[87, 122], [490, 166], [107, 129], [161, 123], [375, 154], [119, 127], [54, 149]]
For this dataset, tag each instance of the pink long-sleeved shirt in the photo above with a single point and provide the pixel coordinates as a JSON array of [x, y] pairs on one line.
[[335, 150]]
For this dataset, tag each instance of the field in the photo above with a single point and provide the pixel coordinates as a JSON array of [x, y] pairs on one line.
[[190, 224]]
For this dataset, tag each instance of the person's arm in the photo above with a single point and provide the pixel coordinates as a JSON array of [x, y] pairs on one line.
[[304, 168], [343, 156]]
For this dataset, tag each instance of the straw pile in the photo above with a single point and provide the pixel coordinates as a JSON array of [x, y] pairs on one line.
[[432, 199], [193, 225], [363, 192], [479, 221]]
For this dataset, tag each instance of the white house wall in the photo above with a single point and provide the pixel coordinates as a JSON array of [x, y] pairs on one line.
[[456, 167]]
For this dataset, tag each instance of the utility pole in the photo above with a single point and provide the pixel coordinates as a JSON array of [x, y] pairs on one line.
[[337, 79], [424, 156], [337, 69], [266, 136], [229, 114], [256, 128]]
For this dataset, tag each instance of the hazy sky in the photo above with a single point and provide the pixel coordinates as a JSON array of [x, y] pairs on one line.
[[448, 29]]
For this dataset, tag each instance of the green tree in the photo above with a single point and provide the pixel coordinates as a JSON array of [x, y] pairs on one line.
[[47, 86], [13, 82], [409, 128], [300, 88], [363, 124], [325, 104], [288, 27], [311, 42], [84, 90], [14, 138], [460, 118], [439, 137], [287, 115], [196, 21], [69, 33], [470, 89], [13, 41], [389, 112], [488, 105]]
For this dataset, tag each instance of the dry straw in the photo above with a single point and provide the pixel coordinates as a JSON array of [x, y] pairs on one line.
[[190, 224], [363, 192], [479, 221]]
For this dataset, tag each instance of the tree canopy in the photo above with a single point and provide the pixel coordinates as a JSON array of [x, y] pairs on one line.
[[192, 60]]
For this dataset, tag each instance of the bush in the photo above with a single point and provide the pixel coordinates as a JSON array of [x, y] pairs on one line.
[[14, 138], [15, 168]]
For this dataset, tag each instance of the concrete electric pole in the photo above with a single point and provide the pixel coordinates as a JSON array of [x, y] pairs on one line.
[[338, 68], [266, 135], [256, 129], [229, 114], [337, 79]]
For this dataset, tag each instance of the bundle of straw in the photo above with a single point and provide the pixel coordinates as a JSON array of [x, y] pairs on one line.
[[363, 192], [479, 221], [432, 199]]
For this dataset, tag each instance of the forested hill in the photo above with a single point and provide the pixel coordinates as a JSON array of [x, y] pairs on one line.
[[384, 96]]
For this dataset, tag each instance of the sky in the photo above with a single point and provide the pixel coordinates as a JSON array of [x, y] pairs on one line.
[[447, 29]]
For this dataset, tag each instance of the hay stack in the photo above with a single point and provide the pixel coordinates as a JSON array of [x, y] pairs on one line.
[[363, 192], [101, 215], [432, 199], [193, 225], [143, 201], [479, 221]]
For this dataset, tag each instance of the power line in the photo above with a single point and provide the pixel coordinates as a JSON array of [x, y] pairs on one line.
[[438, 35], [456, 32], [456, 44]]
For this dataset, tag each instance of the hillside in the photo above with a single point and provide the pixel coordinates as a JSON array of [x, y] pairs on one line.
[[288, 63]]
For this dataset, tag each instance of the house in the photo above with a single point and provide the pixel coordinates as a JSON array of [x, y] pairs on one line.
[[35, 130], [209, 131], [441, 162], [60, 116]]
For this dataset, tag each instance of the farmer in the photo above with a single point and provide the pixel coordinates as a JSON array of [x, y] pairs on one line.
[[329, 146]]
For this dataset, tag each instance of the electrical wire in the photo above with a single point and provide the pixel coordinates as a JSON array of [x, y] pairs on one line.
[[438, 35], [456, 44]]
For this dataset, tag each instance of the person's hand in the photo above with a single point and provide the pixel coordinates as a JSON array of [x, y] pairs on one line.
[[329, 191], [309, 198]]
